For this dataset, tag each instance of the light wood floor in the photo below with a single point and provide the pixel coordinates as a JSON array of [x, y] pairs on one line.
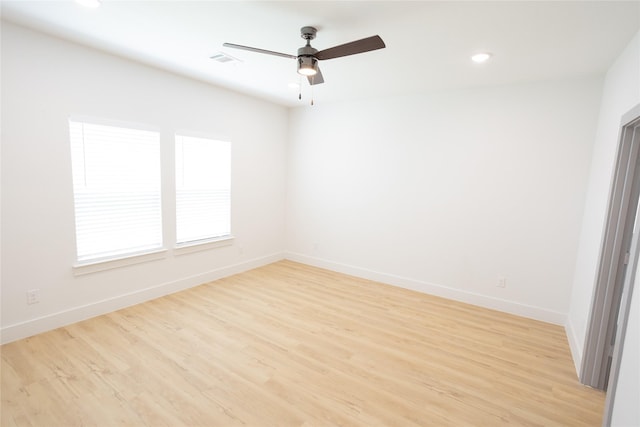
[[291, 345]]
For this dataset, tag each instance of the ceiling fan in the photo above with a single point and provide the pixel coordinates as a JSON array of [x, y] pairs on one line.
[[308, 57]]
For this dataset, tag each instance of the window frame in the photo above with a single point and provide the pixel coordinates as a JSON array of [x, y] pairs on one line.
[[98, 264], [101, 263], [213, 242]]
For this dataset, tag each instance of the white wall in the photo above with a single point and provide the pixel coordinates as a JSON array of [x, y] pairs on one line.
[[620, 94], [448, 192], [44, 80]]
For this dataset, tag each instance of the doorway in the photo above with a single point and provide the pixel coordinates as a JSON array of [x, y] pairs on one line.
[[617, 267]]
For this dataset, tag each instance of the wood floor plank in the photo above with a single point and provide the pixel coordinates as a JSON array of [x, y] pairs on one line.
[[293, 345]]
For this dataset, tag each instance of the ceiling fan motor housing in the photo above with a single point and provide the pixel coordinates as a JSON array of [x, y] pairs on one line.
[[307, 51], [307, 62]]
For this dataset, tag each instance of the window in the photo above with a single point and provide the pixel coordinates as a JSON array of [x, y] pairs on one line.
[[203, 189], [116, 188]]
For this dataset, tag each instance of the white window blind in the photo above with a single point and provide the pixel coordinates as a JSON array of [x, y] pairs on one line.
[[116, 187], [203, 189]]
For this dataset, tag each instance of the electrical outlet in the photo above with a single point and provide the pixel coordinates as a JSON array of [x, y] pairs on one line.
[[33, 296], [502, 282]]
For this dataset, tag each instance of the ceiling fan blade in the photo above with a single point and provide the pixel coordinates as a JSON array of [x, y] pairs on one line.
[[351, 48], [316, 79], [255, 49]]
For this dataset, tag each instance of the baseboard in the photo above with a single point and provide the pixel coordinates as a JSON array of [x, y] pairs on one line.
[[506, 306], [574, 345], [56, 320]]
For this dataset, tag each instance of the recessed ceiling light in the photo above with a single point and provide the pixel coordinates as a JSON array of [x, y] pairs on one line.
[[89, 3], [481, 57]]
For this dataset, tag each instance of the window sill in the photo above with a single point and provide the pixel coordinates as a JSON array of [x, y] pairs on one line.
[[203, 245], [95, 266], [108, 264]]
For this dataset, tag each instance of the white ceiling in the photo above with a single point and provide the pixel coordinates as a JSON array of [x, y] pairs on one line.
[[428, 43]]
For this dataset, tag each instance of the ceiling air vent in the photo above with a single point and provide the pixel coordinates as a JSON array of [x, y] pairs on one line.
[[223, 58]]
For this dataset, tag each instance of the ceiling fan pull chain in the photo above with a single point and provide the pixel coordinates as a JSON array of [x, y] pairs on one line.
[[312, 90], [299, 87]]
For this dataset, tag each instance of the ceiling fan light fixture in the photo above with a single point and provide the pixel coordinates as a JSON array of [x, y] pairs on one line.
[[307, 66]]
